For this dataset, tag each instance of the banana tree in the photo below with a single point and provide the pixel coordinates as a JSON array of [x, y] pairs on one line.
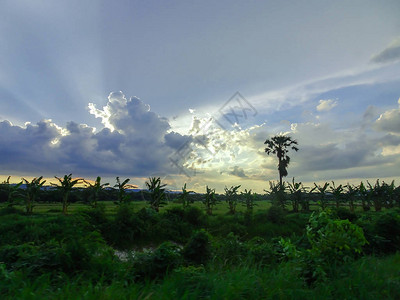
[[350, 195], [66, 185], [209, 200], [389, 194], [12, 191], [297, 195], [33, 189], [337, 192], [231, 197], [366, 196], [184, 197], [249, 200], [157, 193], [377, 195], [322, 192], [121, 187], [95, 190], [277, 193]]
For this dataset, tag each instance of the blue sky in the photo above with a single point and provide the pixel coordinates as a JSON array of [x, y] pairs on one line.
[[326, 73]]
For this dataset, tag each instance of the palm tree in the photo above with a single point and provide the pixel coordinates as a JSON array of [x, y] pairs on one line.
[[280, 145]]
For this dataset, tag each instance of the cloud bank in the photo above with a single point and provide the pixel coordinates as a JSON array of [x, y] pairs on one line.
[[134, 141]]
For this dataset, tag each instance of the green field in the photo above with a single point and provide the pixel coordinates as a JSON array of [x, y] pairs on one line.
[[232, 246]]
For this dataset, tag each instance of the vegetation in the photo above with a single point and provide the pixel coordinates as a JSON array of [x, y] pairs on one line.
[[286, 244], [280, 145], [157, 192], [66, 186]]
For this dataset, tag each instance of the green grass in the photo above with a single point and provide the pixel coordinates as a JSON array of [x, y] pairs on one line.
[[368, 278]]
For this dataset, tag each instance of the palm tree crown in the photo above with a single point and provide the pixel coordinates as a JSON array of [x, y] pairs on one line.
[[280, 145]]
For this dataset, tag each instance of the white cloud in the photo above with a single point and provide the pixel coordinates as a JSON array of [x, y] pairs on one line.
[[389, 121], [326, 105]]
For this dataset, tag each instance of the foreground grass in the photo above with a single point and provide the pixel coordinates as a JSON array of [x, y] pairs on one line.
[[367, 278]]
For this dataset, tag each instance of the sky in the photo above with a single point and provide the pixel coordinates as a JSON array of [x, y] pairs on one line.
[[190, 90]]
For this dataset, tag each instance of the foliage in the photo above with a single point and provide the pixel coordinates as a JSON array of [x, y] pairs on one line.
[[248, 200], [280, 145], [387, 226], [95, 190], [121, 187], [333, 242], [350, 194], [33, 189], [12, 192], [66, 186], [297, 196], [276, 214], [209, 200], [157, 192], [278, 194], [156, 264], [337, 192], [366, 196], [322, 191], [198, 249], [231, 197], [184, 197]]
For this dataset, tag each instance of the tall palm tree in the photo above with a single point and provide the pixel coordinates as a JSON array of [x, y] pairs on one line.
[[280, 145]]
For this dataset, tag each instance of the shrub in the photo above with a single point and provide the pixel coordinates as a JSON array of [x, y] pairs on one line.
[[156, 264], [194, 216], [261, 252], [345, 214], [333, 242], [198, 249], [125, 229], [9, 210], [387, 226], [276, 214], [230, 249]]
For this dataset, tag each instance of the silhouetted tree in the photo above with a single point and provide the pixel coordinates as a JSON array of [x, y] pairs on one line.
[[66, 186], [280, 145], [95, 189], [33, 189]]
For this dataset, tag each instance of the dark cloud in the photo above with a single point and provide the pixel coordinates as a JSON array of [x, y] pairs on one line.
[[239, 172], [334, 157], [135, 142], [390, 54]]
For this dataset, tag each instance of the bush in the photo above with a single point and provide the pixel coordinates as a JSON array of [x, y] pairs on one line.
[[345, 214], [10, 210], [276, 214], [333, 242], [230, 249], [96, 216], [198, 249], [260, 252], [194, 216], [387, 226], [156, 264], [125, 229]]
